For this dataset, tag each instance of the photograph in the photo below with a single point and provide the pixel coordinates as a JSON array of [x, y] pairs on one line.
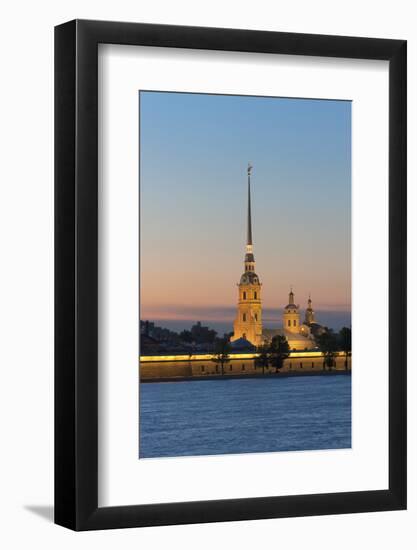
[[245, 274], [200, 204]]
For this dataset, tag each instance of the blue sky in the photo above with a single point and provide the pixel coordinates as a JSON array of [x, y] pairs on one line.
[[194, 149]]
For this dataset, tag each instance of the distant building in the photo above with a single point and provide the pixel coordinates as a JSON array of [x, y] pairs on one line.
[[248, 323]]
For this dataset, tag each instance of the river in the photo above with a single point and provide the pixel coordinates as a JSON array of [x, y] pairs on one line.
[[212, 417]]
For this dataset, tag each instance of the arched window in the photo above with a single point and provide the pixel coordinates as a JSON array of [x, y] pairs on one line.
[[255, 295], [244, 317], [294, 323], [244, 295], [289, 322], [256, 316]]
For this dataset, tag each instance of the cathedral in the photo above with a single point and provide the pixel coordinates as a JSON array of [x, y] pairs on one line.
[[248, 323]]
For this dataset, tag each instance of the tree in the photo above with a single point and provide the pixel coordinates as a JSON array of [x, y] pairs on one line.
[[279, 351], [327, 344], [345, 343], [186, 336], [262, 360], [202, 334], [273, 354], [221, 354]]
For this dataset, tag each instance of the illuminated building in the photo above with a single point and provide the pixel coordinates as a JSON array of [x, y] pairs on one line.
[[248, 323]]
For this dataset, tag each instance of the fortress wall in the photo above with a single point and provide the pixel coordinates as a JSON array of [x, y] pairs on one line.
[[165, 370], [236, 366], [299, 363], [206, 367]]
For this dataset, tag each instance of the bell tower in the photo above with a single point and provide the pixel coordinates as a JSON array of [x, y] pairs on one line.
[[309, 316], [291, 315], [248, 323]]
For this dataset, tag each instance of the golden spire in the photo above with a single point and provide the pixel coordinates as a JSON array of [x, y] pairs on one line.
[[249, 228]]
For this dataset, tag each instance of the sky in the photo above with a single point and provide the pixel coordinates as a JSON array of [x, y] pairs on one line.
[[194, 151]]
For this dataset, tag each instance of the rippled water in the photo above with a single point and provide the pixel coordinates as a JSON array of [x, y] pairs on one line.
[[245, 416]]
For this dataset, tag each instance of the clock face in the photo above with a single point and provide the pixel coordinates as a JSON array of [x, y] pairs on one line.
[[246, 280], [249, 279]]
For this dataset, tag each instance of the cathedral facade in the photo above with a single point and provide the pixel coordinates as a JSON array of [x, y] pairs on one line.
[[248, 324]]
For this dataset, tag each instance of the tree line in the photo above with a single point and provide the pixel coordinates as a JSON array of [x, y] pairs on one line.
[[274, 353], [329, 343]]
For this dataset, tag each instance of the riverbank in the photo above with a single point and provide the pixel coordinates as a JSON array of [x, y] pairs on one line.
[[266, 376]]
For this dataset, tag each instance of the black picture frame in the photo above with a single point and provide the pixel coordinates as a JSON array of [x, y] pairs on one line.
[[76, 273]]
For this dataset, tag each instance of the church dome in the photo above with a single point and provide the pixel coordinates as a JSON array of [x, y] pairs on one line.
[[291, 306], [249, 278]]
